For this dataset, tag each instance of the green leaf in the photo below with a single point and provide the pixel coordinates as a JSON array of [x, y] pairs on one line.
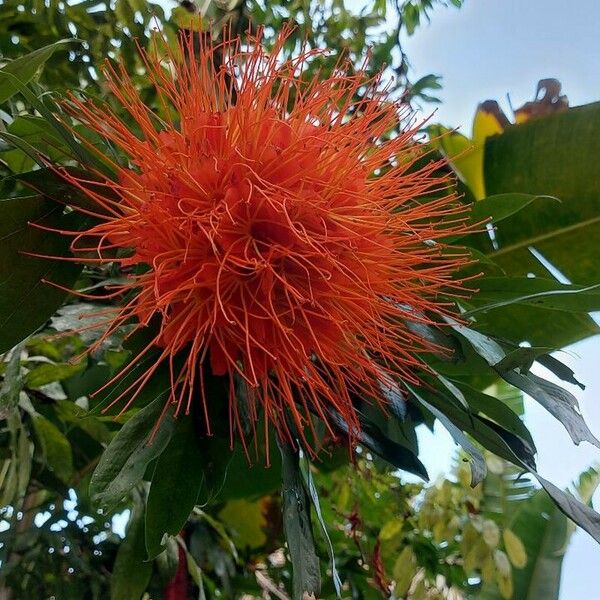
[[26, 67], [48, 182], [580, 513], [498, 411], [519, 309], [557, 401], [501, 206], [124, 462], [373, 438], [521, 358], [12, 383], [26, 302], [39, 137], [544, 156], [56, 449], [498, 292], [478, 466], [79, 150], [131, 572], [47, 373], [314, 496], [484, 345], [180, 467], [491, 435], [559, 369], [74, 415], [297, 526]]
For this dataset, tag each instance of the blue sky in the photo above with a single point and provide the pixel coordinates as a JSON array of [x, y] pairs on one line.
[[486, 50]]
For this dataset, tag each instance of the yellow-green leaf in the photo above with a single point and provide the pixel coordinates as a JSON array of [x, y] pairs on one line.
[[246, 521], [390, 529], [514, 549], [405, 568]]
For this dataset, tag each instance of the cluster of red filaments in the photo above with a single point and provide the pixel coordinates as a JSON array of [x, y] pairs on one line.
[[283, 240]]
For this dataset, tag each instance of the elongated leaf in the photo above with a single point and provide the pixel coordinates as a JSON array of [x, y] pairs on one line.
[[48, 183], [499, 292], [557, 401], [23, 146], [545, 532], [484, 345], [124, 462], [521, 358], [491, 435], [371, 436], [26, 67], [180, 467], [559, 369], [81, 152], [498, 411], [39, 135], [298, 527], [478, 466], [580, 513], [315, 501]]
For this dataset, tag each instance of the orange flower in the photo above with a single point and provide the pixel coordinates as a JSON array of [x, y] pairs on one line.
[[285, 237]]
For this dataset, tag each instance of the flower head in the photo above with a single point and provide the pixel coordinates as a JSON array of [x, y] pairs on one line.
[[279, 235]]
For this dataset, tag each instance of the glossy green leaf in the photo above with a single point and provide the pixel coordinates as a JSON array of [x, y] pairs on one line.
[[561, 370], [544, 157], [373, 438], [78, 149], [521, 358], [48, 372], [40, 138]]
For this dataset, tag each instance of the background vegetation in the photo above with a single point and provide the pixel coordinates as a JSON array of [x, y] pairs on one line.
[[66, 470]]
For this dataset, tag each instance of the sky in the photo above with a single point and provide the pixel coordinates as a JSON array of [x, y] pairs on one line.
[[487, 50]]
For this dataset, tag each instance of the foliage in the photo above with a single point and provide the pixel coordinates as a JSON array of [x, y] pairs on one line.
[[199, 512]]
